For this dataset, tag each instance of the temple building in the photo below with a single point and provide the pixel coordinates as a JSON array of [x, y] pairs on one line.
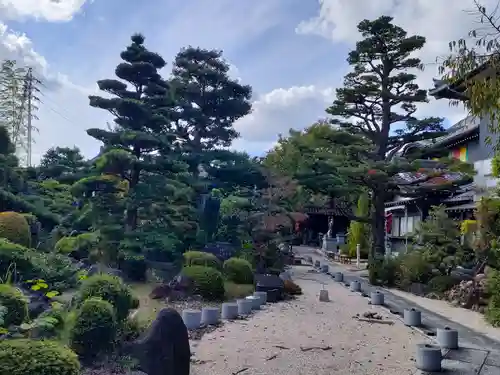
[[465, 140]]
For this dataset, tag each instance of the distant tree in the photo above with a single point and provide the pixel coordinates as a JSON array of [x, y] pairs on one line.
[[63, 164]]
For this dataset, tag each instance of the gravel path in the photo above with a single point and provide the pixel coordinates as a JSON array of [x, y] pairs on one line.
[[308, 337]]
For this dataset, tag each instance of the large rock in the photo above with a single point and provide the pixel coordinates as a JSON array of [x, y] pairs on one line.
[[272, 284], [164, 350]]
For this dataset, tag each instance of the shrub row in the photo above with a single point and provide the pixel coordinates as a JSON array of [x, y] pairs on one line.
[[205, 271]]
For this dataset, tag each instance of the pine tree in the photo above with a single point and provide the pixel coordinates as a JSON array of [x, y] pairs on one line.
[[209, 102], [375, 109], [141, 147]]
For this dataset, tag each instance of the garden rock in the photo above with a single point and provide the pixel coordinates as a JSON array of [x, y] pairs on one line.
[[271, 284], [165, 350], [37, 301], [462, 274]]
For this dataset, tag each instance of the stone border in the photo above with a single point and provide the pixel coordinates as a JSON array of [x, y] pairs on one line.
[[485, 357]]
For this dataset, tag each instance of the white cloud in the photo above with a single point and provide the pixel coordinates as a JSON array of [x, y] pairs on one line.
[[49, 10], [282, 109], [436, 20]]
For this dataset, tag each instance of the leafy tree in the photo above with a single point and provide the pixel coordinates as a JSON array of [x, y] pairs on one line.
[[13, 188], [438, 237], [359, 232], [375, 111], [480, 49]]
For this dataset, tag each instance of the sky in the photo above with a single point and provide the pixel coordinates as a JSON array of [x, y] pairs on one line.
[[292, 52]]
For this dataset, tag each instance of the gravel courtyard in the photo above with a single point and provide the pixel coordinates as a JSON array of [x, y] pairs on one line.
[[308, 337]]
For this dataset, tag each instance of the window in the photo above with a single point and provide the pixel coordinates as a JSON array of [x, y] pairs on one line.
[[402, 227]]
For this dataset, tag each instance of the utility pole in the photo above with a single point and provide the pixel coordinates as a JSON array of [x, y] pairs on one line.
[[29, 83]]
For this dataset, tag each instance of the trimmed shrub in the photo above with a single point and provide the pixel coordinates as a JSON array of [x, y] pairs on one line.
[[492, 312], [30, 264], [442, 283], [78, 247], [201, 258], [30, 357], [66, 245], [414, 268], [15, 228], [111, 289], [94, 330], [208, 282], [15, 258], [16, 303], [134, 266], [238, 271], [384, 271]]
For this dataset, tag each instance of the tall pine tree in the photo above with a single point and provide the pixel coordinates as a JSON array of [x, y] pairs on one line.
[[140, 147], [209, 101], [376, 109]]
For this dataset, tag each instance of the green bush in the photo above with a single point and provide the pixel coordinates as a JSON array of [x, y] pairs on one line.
[[200, 258], [414, 268], [94, 330], [441, 283], [15, 228], [30, 264], [492, 312], [30, 357], [134, 267], [78, 247], [238, 271], [109, 288], [208, 282], [384, 271], [15, 302]]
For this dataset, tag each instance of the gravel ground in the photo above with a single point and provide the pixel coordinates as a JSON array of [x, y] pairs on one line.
[[308, 337]]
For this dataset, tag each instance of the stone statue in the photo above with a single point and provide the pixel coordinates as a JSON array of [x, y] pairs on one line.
[[329, 234]]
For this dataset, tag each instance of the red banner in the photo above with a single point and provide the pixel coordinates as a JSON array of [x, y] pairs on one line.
[[388, 223]]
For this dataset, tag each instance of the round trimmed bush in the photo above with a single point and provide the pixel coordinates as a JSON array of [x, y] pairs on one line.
[[134, 266], [29, 357], [66, 245], [109, 288], [95, 328], [16, 303], [15, 228], [238, 271], [78, 247], [201, 258], [442, 283], [208, 282]]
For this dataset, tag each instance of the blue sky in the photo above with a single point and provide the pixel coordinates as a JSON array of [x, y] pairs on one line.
[[292, 52]]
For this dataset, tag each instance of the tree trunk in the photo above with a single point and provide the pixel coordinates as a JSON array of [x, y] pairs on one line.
[[378, 225]]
